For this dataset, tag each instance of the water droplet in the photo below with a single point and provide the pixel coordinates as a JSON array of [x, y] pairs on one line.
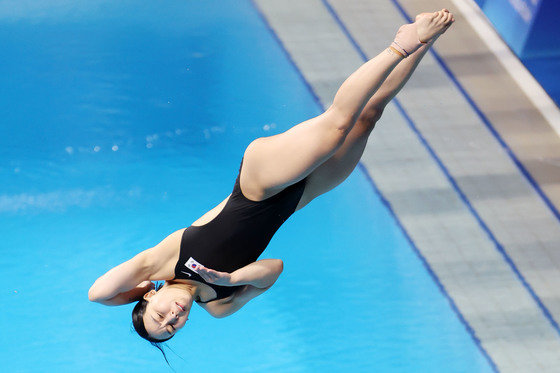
[[149, 145], [96, 148], [115, 148], [69, 149]]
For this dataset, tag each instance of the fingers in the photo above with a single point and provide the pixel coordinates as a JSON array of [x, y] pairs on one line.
[[206, 273], [209, 275]]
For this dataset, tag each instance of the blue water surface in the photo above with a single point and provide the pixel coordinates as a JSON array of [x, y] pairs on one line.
[[125, 121]]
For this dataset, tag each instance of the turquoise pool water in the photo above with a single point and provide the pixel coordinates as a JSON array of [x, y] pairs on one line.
[[126, 121]]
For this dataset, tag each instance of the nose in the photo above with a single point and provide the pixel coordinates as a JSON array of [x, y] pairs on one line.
[[171, 316]]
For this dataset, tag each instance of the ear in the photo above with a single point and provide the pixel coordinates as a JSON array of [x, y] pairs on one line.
[[149, 294]]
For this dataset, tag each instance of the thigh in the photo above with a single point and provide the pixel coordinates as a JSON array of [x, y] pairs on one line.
[[273, 163], [337, 168]]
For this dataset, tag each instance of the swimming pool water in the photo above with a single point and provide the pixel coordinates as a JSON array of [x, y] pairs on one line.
[[125, 121]]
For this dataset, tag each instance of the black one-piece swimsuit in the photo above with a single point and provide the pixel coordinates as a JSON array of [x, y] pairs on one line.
[[237, 236]]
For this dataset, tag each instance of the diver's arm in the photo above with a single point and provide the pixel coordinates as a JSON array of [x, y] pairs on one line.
[[220, 309], [122, 282], [130, 296], [260, 274]]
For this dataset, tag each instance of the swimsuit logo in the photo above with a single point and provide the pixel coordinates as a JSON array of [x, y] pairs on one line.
[[191, 264], [187, 273]]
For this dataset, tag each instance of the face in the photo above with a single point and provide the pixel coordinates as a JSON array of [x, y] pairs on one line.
[[167, 311]]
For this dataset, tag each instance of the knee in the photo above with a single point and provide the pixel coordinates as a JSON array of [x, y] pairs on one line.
[[368, 118], [340, 121]]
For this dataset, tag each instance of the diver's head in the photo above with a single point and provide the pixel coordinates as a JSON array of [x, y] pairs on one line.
[[162, 312]]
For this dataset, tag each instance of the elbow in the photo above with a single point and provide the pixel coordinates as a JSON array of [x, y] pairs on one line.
[[279, 266], [92, 294]]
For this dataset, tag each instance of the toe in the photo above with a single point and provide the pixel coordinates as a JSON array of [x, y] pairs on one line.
[[450, 18], [423, 15]]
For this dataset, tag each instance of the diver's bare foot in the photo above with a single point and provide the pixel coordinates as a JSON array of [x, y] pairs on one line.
[[426, 28], [431, 25]]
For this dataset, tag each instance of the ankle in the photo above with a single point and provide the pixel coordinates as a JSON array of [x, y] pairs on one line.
[[395, 51], [406, 41]]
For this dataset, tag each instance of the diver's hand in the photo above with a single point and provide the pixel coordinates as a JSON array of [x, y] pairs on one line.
[[214, 277]]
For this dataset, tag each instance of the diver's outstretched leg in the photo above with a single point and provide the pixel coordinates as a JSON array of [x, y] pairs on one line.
[[338, 167], [275, 162]]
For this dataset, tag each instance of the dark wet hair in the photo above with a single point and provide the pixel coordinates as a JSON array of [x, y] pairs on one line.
[[138, 323]]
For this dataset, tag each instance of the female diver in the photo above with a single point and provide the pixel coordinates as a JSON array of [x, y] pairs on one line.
[[214, 261]]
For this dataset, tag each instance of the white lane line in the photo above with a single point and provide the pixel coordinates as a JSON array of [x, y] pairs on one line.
[[536, 94]]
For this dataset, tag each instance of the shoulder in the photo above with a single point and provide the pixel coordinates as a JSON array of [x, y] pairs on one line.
[[162, 258]]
